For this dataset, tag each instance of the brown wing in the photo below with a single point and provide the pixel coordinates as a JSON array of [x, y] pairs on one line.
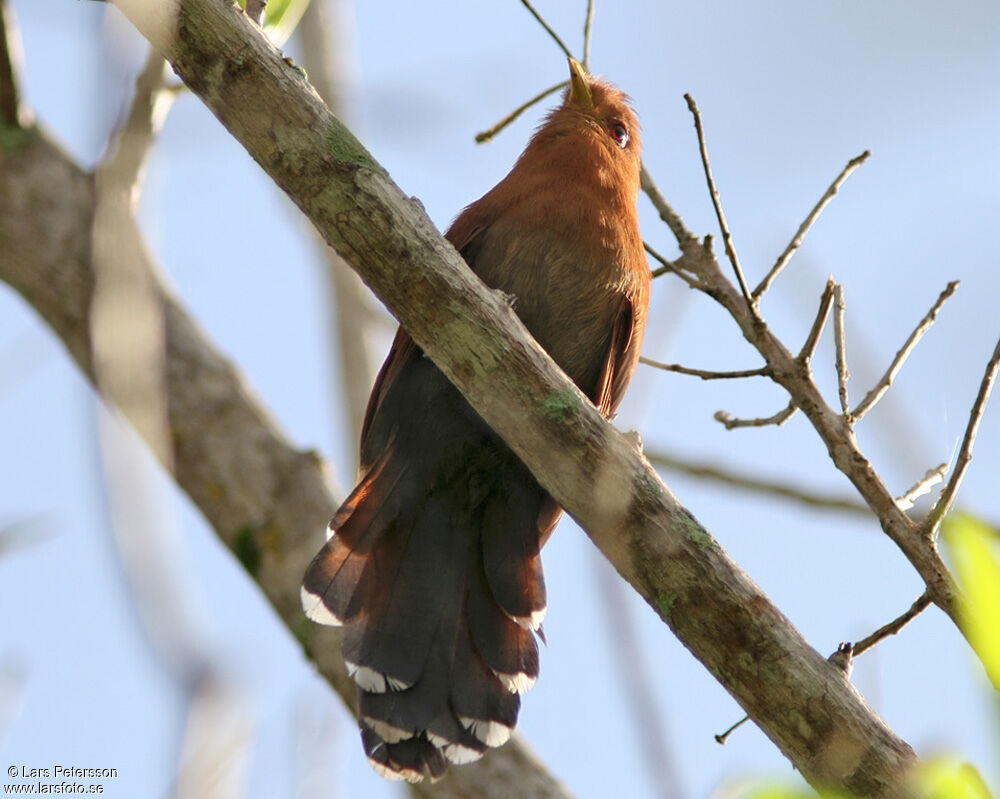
[[463, 232], [621, 360]]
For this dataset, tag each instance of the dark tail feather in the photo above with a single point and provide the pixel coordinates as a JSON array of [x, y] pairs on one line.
[[483, 704], [506, 648], [336, 583], [436, 594], [411, 760], [512, 548], [416, 596]]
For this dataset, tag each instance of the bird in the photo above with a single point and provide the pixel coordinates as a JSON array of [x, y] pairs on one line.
[[432, 565]]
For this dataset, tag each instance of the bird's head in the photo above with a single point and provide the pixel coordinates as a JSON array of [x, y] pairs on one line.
[[593, 135]]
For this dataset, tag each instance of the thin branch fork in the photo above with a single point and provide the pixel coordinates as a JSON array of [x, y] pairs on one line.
[[832, 428], [944, 502], [704, 374], [882, 386], [848, 458], [809, 221]]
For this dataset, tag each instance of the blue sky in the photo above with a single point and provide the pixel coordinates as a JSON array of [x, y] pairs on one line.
[[789, 93]]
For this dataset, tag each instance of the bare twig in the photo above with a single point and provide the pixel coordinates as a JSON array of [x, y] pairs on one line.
[[838, 334], [943, 504], [548, 29], [922, 486], [727, 238], [588, 25], [809, 221], [721, 739], [487, 135], [777, 420], [753, 483], [893, 627], [670, 217], [882, 386], [668, 266], [763, 371], [825, 302]]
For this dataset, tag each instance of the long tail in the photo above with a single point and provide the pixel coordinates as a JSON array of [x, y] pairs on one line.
[[438, 584]]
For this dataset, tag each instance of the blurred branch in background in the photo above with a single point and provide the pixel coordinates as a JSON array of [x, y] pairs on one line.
[[128, 339], [318, 738], [777, 488], [15, 536], [13, 679], [648, 727]]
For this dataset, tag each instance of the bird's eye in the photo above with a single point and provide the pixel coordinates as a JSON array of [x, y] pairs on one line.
[[619, 133]]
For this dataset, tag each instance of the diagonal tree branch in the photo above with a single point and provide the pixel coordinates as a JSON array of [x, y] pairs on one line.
[[802, 702]]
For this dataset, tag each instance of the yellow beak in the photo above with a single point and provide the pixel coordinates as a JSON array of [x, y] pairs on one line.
[[579, 93]]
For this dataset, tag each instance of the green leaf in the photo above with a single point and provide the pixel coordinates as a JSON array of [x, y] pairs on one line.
[[974, 550], [946, 778]]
